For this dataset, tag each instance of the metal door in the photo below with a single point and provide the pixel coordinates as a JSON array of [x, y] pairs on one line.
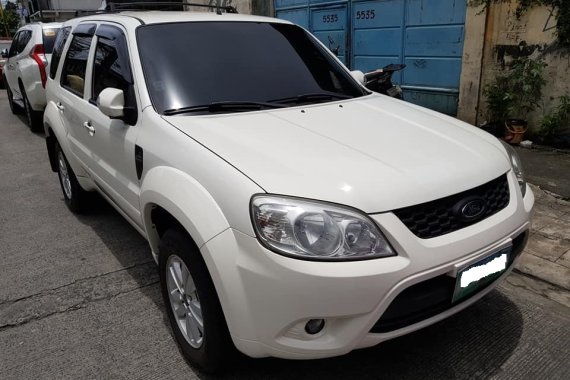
[[426, 35], [330, 25], [296, 11]]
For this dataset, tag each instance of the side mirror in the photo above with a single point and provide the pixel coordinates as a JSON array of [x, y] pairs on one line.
[[359, 76], [4, 53], [111, 102]]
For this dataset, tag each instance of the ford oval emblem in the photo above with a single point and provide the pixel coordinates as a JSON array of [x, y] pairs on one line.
[[473, 209]]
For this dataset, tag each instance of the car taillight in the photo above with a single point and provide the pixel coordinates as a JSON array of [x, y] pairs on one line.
[[38, 55]]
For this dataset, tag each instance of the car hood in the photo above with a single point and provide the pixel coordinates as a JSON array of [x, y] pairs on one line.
[[374, 153]]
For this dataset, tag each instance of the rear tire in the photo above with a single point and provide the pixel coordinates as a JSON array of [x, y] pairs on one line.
[[74, 195], [14, 108], [35, 118], [192, 304]]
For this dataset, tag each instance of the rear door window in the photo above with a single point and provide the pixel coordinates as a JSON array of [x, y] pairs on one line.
[[75, 65], [111, 65], [14, 47], [49, 36], [58, 46], [23, 39]]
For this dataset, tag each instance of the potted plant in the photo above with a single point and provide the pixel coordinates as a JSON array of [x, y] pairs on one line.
[[515, 94]]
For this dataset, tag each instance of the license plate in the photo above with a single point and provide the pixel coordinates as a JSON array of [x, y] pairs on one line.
[[477, 276]]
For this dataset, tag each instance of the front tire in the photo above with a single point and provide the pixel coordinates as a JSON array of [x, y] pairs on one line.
[[192, 304], [73, 194]]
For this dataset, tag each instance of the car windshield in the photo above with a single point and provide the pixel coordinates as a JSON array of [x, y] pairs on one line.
[[49, 39], [237, 66]]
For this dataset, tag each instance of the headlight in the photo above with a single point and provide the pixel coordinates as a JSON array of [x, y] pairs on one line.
[[516, 164], [316, 230]]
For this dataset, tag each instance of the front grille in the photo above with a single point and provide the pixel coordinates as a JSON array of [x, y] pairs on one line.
[[436, 218], [431, 297]]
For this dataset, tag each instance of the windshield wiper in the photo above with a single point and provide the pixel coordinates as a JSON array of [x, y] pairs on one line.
[[311, 97], [224, 106]]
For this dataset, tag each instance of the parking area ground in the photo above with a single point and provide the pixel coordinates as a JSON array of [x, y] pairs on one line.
[[79, 298]]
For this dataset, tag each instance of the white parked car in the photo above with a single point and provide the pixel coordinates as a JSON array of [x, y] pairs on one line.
[[25, 70], [292, 212]]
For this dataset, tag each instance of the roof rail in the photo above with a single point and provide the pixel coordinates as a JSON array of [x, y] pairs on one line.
[[165, 6]]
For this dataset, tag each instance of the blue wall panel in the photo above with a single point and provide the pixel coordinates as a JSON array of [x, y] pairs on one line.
[[297, 16], [432, 72], [446, 41], [435, 12], [377, 14], [329, 25], [441, 102], [289, 3], [426, 35]]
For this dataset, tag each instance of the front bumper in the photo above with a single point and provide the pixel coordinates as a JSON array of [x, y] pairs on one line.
[[268, 298]]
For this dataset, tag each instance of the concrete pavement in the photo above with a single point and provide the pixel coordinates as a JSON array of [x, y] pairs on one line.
[[547, 168]]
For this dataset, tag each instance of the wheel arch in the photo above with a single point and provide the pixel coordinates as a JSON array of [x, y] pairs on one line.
[[172, 198], [50, 145]]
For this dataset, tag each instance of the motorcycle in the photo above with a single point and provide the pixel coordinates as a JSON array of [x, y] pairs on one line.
[[381, 80]]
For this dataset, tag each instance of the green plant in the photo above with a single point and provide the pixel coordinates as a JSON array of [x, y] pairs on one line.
[[561, 10], [557, 119], [497, 103], [516, 92], [9, 21], [525, 81]]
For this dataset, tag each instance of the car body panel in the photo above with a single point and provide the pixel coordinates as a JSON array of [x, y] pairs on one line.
[[358, 152]]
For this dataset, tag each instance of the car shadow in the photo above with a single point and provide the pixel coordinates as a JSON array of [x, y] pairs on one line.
[[129, 248], [474, 343]]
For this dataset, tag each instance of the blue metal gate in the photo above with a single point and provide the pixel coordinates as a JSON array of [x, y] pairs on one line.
[[426, 35]]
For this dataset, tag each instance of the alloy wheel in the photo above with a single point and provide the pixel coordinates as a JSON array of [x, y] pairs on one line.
[[64, 175], [184, 301]]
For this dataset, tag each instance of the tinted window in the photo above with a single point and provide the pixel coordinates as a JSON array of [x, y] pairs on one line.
[[73, 73], [111, 66], [23, 40], [19, 42], [190, 64], [49, 36], [59, 44], [14, 46]]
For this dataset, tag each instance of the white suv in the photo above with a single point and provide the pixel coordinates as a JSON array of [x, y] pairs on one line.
[[292, 212], [25, 70]]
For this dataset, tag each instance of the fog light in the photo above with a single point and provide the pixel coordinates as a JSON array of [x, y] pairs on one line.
[[314, 326]]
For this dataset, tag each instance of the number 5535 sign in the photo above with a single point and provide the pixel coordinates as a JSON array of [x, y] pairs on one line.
[[368, 14]]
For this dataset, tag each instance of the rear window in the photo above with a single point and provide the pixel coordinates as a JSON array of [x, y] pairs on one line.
[[49, 39]]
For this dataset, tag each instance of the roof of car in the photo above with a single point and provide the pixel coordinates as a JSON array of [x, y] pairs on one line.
[[161, 17], [46, 25]]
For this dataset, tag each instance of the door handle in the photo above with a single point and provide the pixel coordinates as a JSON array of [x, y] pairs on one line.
[[89, 127], [60, 106]]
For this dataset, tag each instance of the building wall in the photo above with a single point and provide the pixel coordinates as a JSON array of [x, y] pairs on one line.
[[495, 37], [74, 4]]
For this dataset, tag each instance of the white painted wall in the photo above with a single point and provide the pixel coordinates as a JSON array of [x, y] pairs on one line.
[[75, 4]]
